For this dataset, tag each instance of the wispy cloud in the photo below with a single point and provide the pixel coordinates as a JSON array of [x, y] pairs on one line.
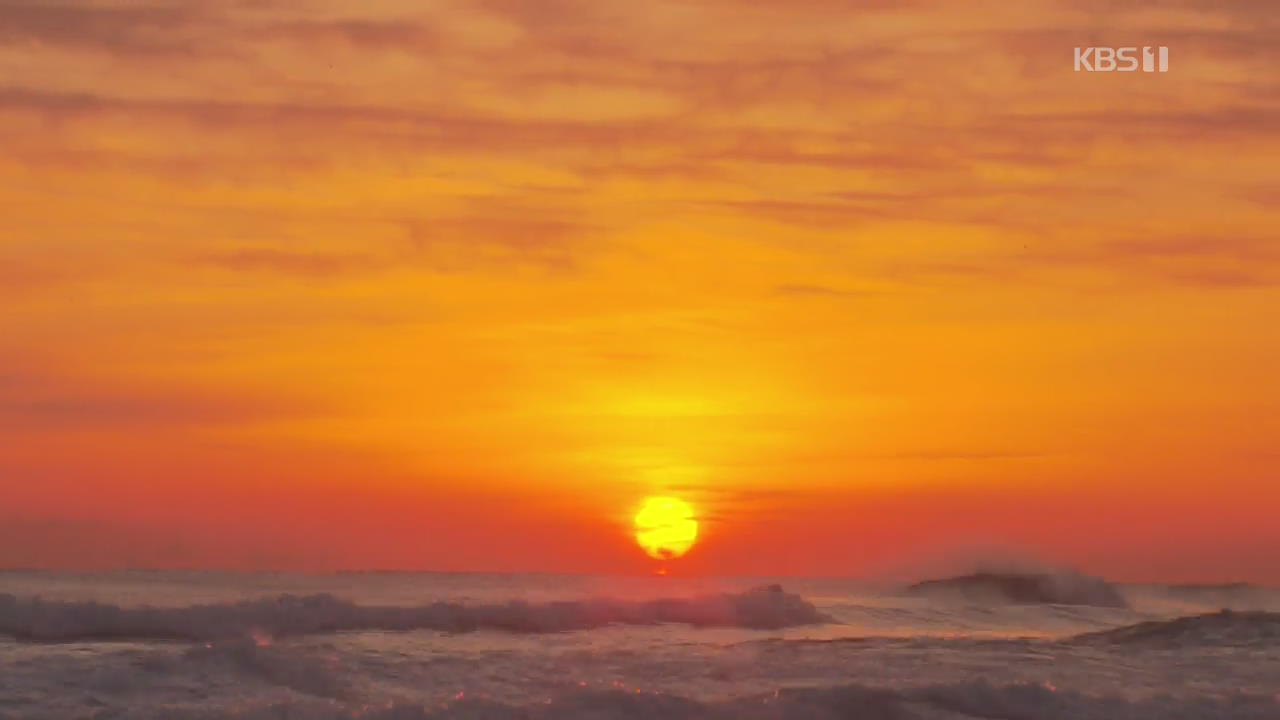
[[33, 401], [806, 290], [146, 29], [293, 263]]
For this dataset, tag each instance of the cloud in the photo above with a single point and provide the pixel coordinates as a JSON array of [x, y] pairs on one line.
[[504, 230], [1221, 122], [311, 264], [805, 290], [33, 400], [18, 276], [146, 29], [882, 124], [897, 101], [1210, 261], [965, 455], [362, 126], [478, 235], [1206, 261], [194, 29], [823, 214], [362, 34], [1249, 249]]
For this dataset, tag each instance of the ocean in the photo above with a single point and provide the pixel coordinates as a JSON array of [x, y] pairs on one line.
[[403, 646]]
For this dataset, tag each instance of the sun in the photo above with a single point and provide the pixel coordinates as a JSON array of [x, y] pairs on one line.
[[665, 527]]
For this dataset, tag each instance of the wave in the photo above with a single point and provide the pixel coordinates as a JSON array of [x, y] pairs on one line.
[[1226, 628], [1238, 596], [955, 702], [1197, 588], [1024, 589], [37, 620]]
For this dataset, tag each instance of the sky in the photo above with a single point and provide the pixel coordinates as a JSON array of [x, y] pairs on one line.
[[457, 285]]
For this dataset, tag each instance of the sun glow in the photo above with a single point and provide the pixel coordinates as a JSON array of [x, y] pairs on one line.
[[665, 527]]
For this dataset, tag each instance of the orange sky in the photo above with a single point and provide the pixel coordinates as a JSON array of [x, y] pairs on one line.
[[455, 285]]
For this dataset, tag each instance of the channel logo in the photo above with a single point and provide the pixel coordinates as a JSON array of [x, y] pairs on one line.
[[1125, 59]]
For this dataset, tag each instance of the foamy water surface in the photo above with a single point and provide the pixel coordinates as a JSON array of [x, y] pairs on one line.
[[392, 645]]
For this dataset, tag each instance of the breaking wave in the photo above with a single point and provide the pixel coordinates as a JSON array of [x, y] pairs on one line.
[[1225, 628], [1061, 588], [37, 620], [955, 702]]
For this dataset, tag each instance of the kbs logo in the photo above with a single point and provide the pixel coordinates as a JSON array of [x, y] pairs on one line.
[[1125, 59]]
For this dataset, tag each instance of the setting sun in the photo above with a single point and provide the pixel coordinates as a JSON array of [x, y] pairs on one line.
[[665, 527]]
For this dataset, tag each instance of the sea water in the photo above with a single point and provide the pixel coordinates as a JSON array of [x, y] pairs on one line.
[[141, 644]]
